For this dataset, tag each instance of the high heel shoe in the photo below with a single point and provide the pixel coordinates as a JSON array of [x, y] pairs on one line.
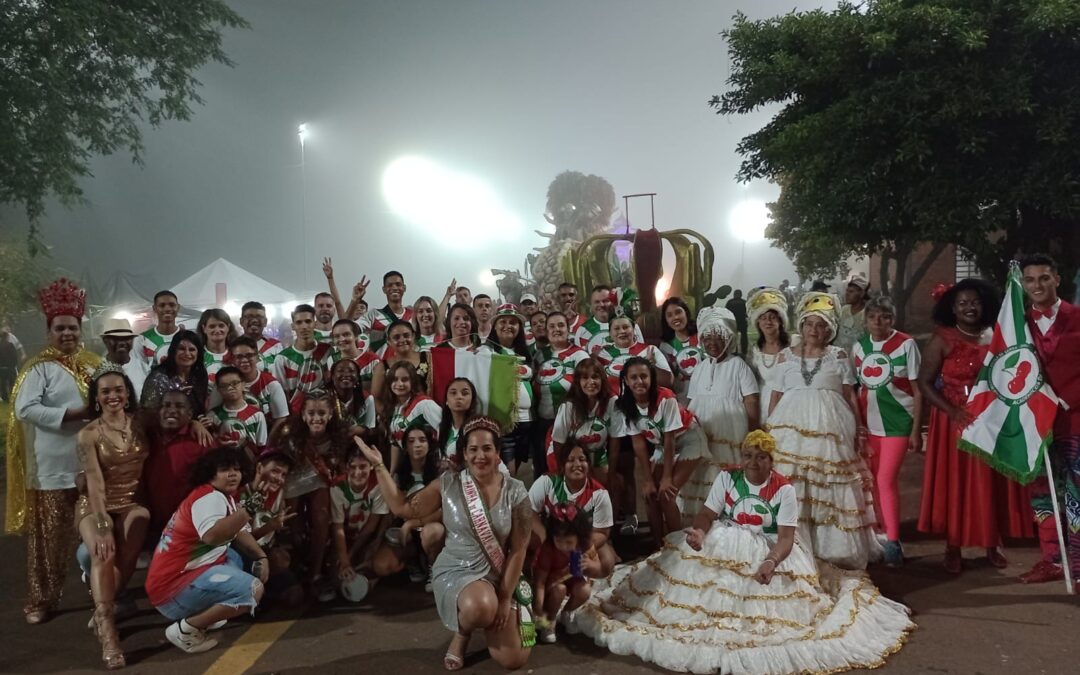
[[105, 627]]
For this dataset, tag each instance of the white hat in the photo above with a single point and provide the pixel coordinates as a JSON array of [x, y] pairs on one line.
[[822, 305], [858, 279], [355, 589], [528, 297], [117, 328], [717, 321], [766, 299]]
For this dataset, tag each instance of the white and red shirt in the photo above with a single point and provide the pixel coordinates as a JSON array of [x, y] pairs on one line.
[[551, 490], [214, 362], [419, 410], [267, 393], [365, 361], [592, 335], [760, 508], [555, 375], [300, 371], [275, 501], [268, 349], [181, 554], [887, 371], [151, 346], [667, 417], [590, 433], [376, 321], [683, 357], [364, 415], [246, 425], [354, 508], [614, 359]]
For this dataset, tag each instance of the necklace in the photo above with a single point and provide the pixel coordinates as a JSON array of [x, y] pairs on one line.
[[123, 431], [771, 359], [808, 376], [974, 335]]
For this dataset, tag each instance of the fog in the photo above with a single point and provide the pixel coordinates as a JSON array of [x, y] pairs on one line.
[[504, 95]]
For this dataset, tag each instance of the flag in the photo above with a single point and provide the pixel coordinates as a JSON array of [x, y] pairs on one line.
[[495, 377], [1012, 404]]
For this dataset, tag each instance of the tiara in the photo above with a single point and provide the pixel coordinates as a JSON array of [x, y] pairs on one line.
[[485, 423], [107, 368]]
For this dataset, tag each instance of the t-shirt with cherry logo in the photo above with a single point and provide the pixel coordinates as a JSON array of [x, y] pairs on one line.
[[683, 357], [555, 375], [760, 508], [666, 417], [614, 359], [590, 433], [887, 370]]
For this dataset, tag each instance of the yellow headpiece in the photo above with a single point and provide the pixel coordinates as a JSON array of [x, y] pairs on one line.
[[762, 440]]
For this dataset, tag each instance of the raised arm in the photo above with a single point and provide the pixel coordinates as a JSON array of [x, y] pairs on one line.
[[418, 506], [328, 271]]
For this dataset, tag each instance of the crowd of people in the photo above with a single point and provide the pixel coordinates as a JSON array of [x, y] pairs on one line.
[[258, 472]]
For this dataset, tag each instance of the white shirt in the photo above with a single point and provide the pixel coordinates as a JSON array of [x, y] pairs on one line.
[[1045, 323], [599, 504], [46, 394], [136, 371]]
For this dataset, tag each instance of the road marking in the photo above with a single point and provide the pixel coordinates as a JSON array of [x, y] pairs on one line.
[[246, 651]]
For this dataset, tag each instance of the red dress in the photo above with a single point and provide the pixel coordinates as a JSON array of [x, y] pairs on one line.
[[963, 498]]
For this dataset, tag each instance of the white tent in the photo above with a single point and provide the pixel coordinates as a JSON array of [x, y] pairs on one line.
[[221, 282]]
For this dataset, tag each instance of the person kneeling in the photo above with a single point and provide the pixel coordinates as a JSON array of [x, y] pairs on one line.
[[357, 513], [195, 578], [557, 571]]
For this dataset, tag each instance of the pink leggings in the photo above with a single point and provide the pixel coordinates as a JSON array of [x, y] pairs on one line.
[[887, 453]]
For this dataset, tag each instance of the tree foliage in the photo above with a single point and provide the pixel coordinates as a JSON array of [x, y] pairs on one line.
[[903, 121], [21, 275], [80, 77]]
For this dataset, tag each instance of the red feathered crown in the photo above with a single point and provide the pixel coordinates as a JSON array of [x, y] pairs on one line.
[[62, 298]]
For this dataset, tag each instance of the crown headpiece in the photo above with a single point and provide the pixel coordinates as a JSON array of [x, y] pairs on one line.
[[485, 423], [62, 298], [107, 368]]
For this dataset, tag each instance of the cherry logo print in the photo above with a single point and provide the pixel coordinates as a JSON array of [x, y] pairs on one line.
[[873, 371], [1019, 381], [548, 372], [686, 364]]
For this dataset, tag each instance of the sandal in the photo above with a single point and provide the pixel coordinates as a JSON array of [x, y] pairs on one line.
[[105, 627], [997, 558], [452, 661]]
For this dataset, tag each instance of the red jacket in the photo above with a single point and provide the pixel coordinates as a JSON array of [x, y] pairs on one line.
[[1059, 351]]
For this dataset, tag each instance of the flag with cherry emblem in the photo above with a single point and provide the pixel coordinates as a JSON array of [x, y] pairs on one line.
[[1012, 404], [495, 377]]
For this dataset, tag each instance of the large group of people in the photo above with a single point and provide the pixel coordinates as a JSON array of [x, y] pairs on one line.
[[260, 472]]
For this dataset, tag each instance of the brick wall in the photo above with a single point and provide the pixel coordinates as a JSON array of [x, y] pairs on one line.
[[920, 304]]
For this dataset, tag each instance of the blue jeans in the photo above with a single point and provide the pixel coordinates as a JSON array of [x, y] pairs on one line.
[[226, 584]]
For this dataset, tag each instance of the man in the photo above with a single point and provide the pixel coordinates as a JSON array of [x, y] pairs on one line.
[[593, 334], [176, 443], [119, 340], [325, 308], [299, 368], [1055, 329], [377, 320], [484, 308], [538, 321], [253, 323], [737, 306], [152, 345], [852, 324], [568, 300], [9, 363], [528, 308], [791, 298], [50, 407], [259, 385], [463, 295]]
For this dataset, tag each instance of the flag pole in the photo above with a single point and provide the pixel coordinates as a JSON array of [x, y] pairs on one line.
[[1057, 521]]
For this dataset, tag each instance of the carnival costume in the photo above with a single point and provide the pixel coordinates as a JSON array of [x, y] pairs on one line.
[[814, 429], [760, 300], [703, 611]]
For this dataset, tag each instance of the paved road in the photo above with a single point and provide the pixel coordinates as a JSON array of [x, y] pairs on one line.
[[981, 622]]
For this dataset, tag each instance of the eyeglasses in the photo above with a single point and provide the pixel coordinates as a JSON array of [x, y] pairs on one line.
[[245, 356], [230, 385]]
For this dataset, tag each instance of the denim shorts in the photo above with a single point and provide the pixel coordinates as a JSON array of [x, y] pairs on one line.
[[225, 584]]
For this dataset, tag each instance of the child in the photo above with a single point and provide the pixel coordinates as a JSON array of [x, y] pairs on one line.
[[357, 513], [557, 571], [461, 405], [271, 470], [355, 405], [239, 423]]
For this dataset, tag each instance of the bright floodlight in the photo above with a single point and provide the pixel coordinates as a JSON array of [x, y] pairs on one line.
[[486, 278], [232, 308], [663, 285], [302, 132], [124, 316], [748, 220], [456, 209]]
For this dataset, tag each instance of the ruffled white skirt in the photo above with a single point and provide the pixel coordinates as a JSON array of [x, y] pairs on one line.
[[702, 612]]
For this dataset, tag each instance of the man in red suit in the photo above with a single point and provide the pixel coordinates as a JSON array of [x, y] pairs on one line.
[[1055, 327]]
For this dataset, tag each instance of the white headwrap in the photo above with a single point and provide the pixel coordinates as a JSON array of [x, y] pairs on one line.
[[718, 321], [822, 305]]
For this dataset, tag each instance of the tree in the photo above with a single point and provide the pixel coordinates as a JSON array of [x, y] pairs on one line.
[[79, 77], [907, 121], [21, 275]]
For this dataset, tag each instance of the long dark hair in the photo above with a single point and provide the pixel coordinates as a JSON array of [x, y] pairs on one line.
[[431, 462], [198, 377], [519, 347], [474, 323], [578, 398], [448, 417], [389, 398], [667, 333], [132, 403], [944, 315], [783, 337], [626, 403], [224, 457], [293, 436]]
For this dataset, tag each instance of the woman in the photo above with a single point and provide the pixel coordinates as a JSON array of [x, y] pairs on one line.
[[679, 343], [554, 375], [651, 417], [477, 576], [461, 405], [347, 338], [111, 522], [508, 338], [890, 410], [401, 347], [405, 404], [813, 421], [723, 392], [426, 323], [740, 593], [624, 344], [963, 498], [584, 419], [315, 439], [461, 328], [768, 311], [217, 331], [354, 405], [573, 483], [184, 369]]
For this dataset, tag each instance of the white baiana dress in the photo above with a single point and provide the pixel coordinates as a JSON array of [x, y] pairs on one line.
[[703, 612], [814, 430], [716, 393], [764, 367]]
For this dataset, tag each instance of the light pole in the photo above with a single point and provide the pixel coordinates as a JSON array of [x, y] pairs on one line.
[[301, 135]]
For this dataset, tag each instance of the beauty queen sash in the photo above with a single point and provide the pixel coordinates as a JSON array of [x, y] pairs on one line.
[[478, 516]]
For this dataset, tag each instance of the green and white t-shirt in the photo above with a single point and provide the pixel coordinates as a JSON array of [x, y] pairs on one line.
[[593, 335], [555, 375], [151, 346], [300, 371], [376, 321], [246, 425], [683, 357], [268, 349], [887, 371], [213, 362]]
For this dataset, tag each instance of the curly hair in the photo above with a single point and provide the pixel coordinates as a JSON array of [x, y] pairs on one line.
[[293, 436], [568, 519], [389, 398], [945, 316], [95, 408], [219, 459]]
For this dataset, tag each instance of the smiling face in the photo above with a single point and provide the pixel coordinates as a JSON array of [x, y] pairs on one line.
[[600, 301], [557, 330], [186, 354], [756, 463], [676, 318], [416, 445], [459, 397], [316, 415], [344, 339], [272, 473], [590, 381], [175, 412], [1041, 283], [246, 360], [394, 289], [815, 331], [165, 309], [400, 384], [576, 467], [714, 344], [112, 393], [879, 323], [346, 375], [425, 316], [506, 329], [253, 321], [968, 309], [401, 339], [118, 349], [65, 333], [460, 325], [622, 332], [324, 309], [639, 380], [358, 471], [481, 454]]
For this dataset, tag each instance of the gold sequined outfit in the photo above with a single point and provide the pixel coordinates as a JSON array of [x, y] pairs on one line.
[[121, 469]]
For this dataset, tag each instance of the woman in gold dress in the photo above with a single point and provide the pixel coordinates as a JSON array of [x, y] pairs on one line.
[[111, 522]]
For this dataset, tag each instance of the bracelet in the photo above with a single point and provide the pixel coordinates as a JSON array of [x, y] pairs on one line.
[[380, 465], [103, 523], [771, 559]]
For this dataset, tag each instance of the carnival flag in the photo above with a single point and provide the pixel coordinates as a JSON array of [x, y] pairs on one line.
[[1012, 404], [495, 377]]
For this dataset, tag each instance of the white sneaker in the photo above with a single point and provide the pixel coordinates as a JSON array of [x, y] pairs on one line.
[[192, 643], [547, 634], [217, 625]]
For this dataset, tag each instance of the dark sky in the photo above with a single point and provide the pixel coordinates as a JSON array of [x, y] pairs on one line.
[[507, 92]]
